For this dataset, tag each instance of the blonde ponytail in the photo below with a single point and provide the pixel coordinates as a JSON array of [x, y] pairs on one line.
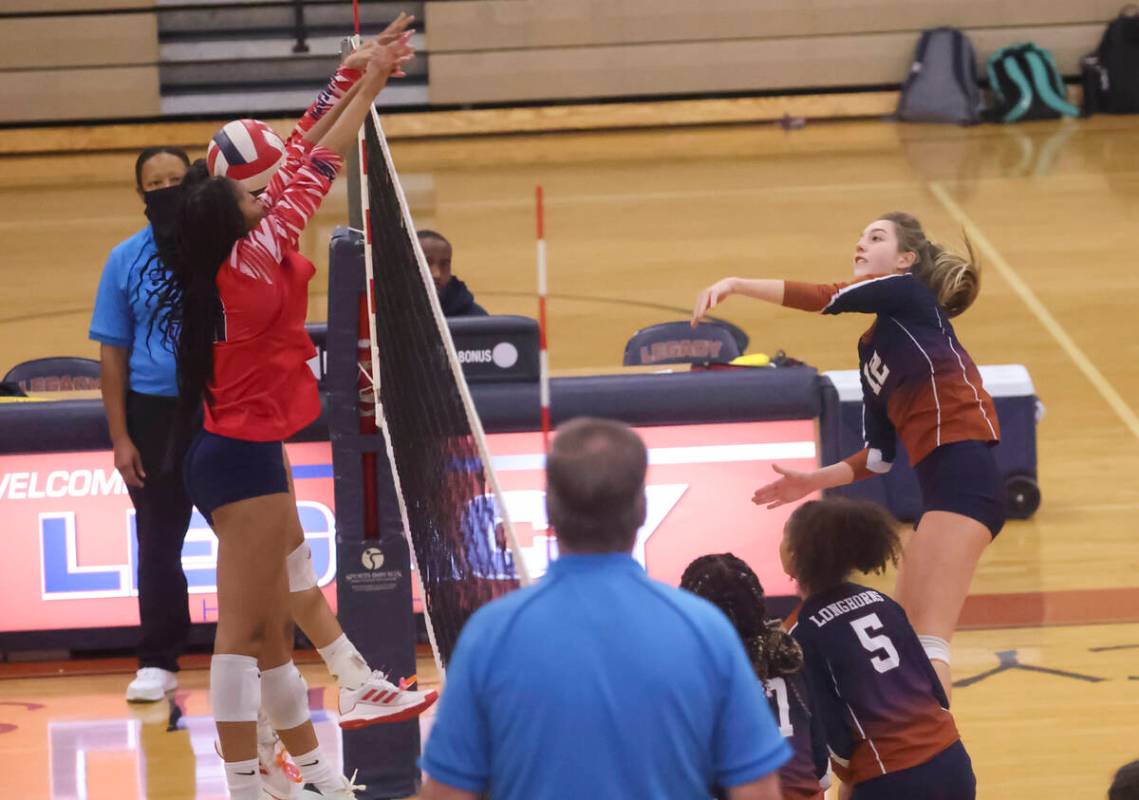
[[955, 280]]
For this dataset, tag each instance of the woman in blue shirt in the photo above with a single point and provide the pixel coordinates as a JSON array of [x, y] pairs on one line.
[[140, 392]]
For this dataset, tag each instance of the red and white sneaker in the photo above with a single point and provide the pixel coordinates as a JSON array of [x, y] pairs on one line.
[[280, 777], [379, 700]]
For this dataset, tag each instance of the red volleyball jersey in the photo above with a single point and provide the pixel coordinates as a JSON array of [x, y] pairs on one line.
[[262, 389]]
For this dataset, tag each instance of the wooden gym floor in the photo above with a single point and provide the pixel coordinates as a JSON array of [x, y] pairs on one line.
[[637, 222]]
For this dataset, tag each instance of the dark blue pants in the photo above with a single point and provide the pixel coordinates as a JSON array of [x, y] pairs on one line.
[[946, 776]]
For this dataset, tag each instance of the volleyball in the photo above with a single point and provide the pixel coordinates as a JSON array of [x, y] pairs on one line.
[[246, 150]]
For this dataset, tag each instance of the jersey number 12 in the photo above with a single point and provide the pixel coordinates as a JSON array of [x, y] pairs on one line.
[[885, 654], [876, 373]]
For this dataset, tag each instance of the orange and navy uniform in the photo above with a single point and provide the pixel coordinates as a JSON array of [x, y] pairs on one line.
[[262, 389], [805, 776], [871, 683], [918, 382]]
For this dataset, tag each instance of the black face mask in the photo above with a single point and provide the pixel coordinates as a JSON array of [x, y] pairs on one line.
[[162, 207]]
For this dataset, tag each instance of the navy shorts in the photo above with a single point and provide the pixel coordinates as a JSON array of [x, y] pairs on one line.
[[219, 470], [962, 477], [946, 776]]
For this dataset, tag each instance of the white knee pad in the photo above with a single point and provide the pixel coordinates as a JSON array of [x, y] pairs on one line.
[[284, 696], [936, 648], [235, 688], [301, 574]]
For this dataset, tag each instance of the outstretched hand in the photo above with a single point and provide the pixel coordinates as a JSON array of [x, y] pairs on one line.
[[396, 29], [387, 60], [396, 34], [710, 298], [792, 486]]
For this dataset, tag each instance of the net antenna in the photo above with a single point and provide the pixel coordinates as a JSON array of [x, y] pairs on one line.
[[543, 355], [463, 547]]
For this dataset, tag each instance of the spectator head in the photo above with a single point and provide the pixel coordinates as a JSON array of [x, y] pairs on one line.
[[595, 486], [159, 168], [437, 251]]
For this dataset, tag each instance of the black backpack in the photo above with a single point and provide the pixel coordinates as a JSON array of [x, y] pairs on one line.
[[942, 84], [1111, 74], [1026, 85]]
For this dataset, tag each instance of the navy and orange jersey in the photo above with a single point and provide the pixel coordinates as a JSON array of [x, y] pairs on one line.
[[804, 777], [918, 382], [871, 684]]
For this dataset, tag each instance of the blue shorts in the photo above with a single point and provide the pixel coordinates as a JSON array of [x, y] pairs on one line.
[[219, 470], [946, 776], [962, 477]]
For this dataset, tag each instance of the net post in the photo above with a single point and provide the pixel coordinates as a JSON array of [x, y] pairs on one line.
[[352, 162], [373, 585]]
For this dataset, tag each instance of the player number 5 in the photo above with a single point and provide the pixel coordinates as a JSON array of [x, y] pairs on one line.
[[885, 655]]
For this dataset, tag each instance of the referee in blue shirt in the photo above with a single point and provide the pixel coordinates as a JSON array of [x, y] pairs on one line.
[[140, 393], [599, 682]]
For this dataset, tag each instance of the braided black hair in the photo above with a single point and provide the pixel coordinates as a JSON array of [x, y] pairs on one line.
[[731, 585], [188, 311]]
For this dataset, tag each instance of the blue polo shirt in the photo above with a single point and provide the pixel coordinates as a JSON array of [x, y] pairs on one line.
[[122, 316], [599, 682]]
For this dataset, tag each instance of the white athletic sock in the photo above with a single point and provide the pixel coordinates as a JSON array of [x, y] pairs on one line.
[[345, 663], [243, 779], [317, 770], [265, 732]]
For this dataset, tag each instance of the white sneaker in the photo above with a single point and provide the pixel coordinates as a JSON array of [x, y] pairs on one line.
[[380, 700], [150, 685], [345, 792], [280, 778]]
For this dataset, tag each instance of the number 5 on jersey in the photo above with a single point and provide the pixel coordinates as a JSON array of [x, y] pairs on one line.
[[885, 654]]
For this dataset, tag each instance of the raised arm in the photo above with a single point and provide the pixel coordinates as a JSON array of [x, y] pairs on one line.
[[881, 294], [770, 291], [257, 254], [384, 61], [345, 84], [331, 102]]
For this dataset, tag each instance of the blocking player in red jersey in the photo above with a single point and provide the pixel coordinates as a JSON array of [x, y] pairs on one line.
[[918, 383], [366, 696], [732, 586], [237, 298], [886, 717]]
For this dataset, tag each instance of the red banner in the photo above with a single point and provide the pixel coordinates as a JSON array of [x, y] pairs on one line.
[[69, 525]]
